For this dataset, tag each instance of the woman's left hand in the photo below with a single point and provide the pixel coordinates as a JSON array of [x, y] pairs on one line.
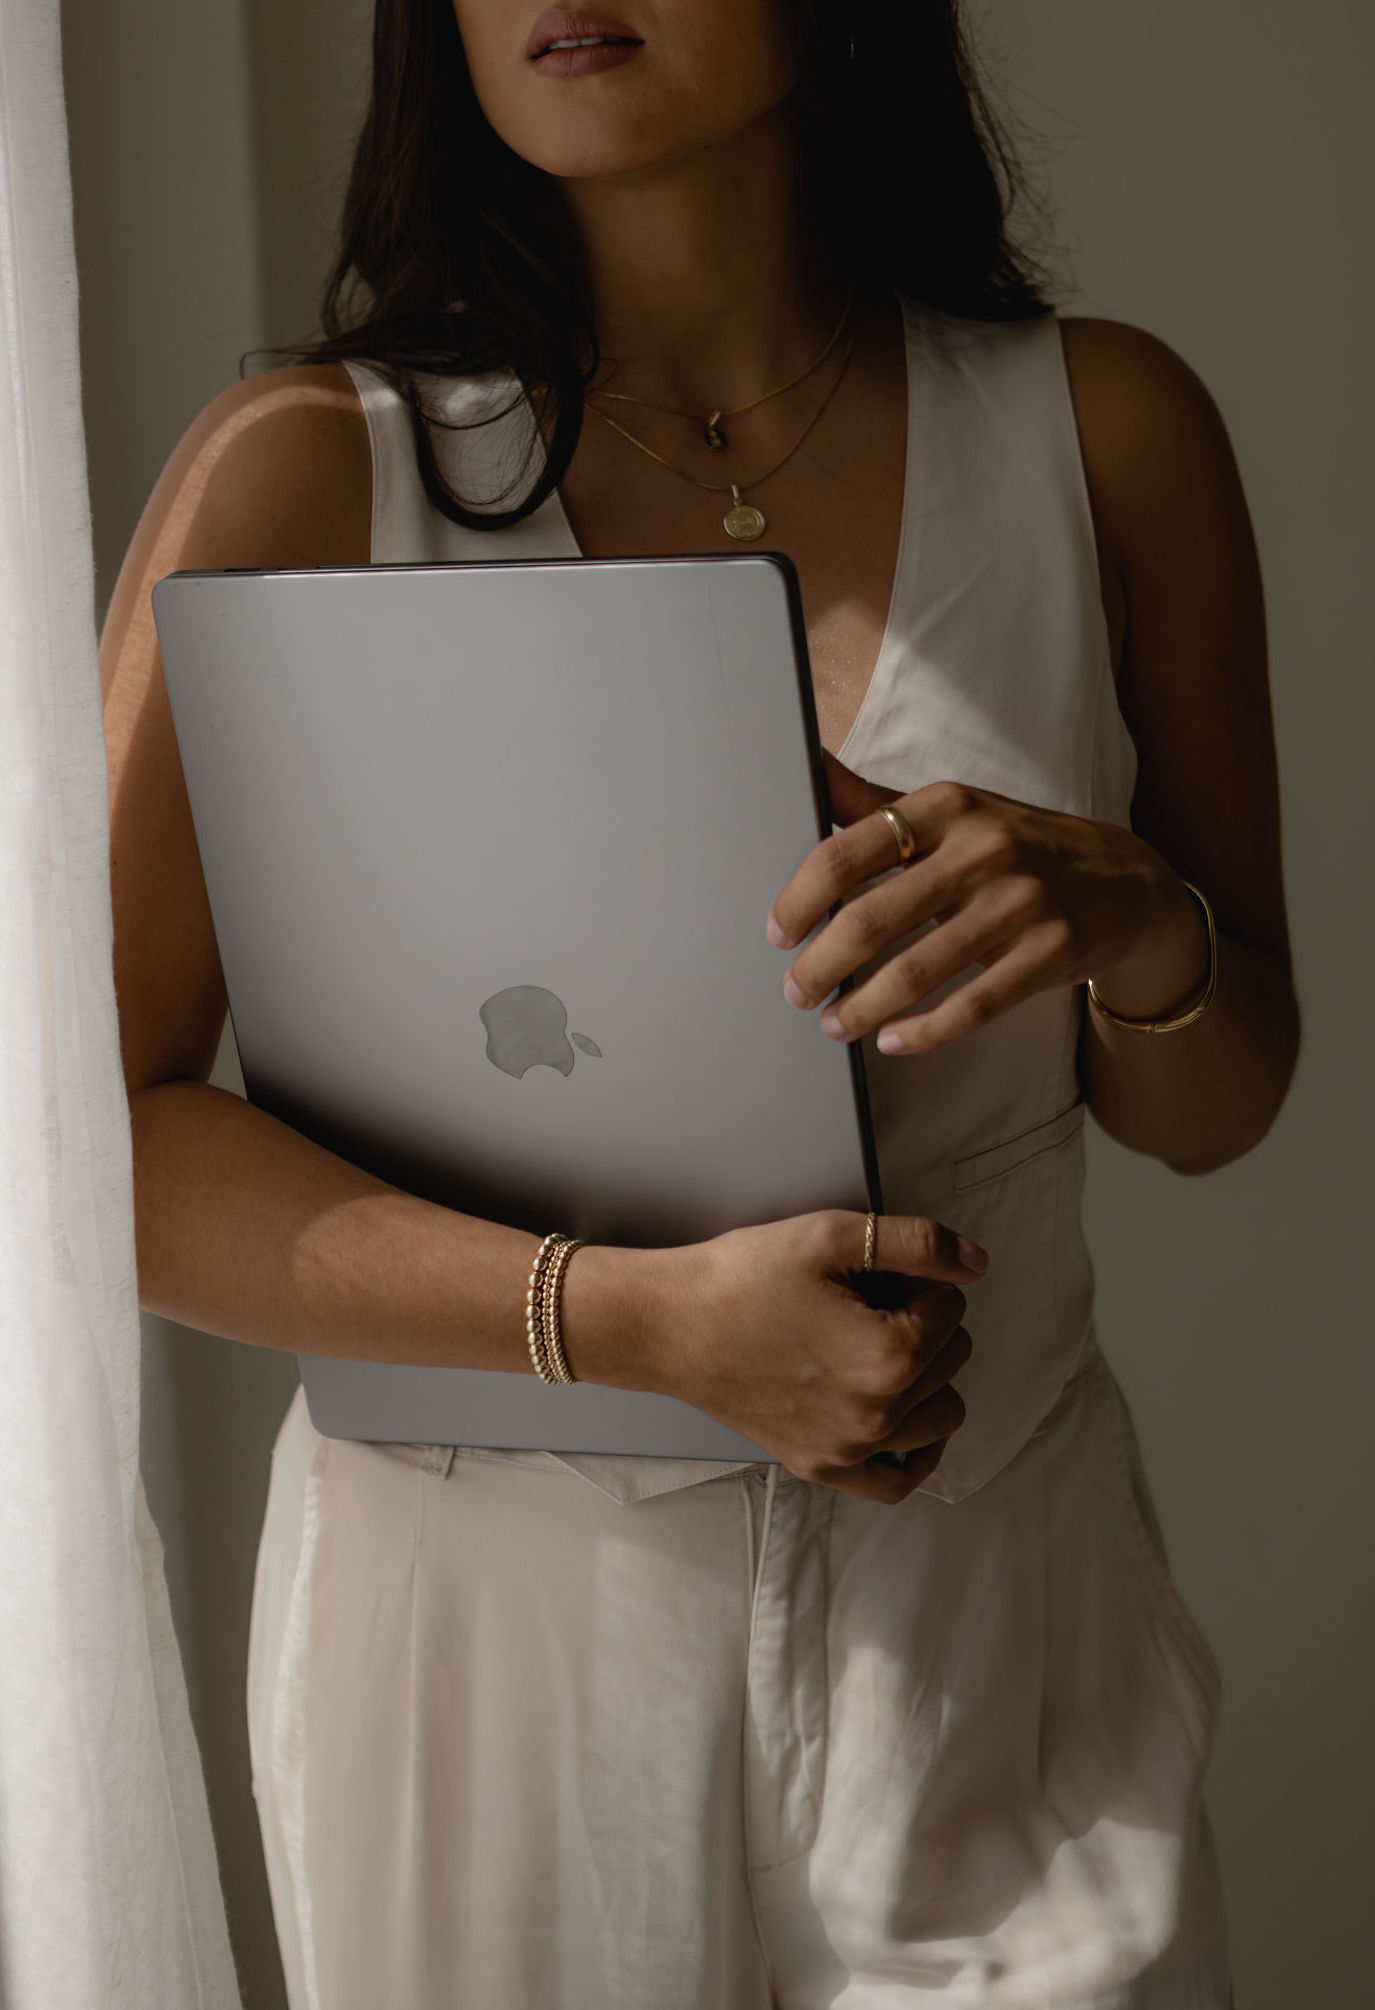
[[1038, 898]]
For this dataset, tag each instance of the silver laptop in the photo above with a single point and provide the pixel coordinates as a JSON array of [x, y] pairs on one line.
[[489, 850]]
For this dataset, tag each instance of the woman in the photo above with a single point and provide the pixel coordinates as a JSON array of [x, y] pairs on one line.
[[675, 1735]]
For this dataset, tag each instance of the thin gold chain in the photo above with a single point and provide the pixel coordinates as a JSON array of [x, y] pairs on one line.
[[734, 412], [720, 488]]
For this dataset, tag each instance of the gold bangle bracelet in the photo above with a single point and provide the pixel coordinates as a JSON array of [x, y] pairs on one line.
[[1195, 1011]]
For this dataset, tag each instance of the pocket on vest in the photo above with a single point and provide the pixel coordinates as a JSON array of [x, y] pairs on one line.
[[977, 1167]]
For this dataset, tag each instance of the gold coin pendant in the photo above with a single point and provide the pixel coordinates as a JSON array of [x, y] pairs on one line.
[[743, 521]]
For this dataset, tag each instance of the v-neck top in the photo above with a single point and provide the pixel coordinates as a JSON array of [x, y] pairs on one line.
[[994, 670]]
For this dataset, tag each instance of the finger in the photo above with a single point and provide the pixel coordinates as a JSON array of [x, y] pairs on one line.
[[973, 934], [920, 1317], [920, 1247], [938, 1372], [857, 852], [1014, 977], [933, 1420], [913, 1467], [862, 928], [887, 1478], [911, 1243], [965, 867]]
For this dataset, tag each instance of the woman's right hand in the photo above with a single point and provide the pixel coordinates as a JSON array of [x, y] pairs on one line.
[[765, 1329]]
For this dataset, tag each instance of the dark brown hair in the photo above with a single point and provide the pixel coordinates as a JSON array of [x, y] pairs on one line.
[[456, 255]]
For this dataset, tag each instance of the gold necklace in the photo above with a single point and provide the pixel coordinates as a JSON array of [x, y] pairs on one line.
[[711, 421], [742, 520]]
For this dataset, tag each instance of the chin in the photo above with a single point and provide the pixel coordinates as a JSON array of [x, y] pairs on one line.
[[600, 152], [598, 127]]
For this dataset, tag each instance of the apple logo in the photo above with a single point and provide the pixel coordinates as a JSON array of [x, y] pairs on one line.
[[527, 1028]]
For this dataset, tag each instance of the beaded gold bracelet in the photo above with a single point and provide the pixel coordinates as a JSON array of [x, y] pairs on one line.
[[542, 1309], [553, 1336], [534, 1308]]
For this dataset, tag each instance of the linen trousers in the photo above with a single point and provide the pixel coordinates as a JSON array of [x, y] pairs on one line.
[[750, 1744]]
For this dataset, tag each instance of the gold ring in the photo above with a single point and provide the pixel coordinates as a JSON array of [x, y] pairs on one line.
[[902, 831], [870, 1238]]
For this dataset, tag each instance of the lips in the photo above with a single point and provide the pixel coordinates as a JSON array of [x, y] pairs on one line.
[[593, 31]]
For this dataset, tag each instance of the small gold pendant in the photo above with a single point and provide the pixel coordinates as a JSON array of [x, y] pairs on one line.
[[742, 520], [713, 435]]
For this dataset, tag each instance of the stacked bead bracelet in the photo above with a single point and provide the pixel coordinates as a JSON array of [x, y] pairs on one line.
[[542, 1309]]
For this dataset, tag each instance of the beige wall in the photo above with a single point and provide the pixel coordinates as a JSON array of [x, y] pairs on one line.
[[1214, 162], [1211, 164]]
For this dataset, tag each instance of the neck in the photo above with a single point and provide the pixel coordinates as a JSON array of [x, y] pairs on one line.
[[706, 287]]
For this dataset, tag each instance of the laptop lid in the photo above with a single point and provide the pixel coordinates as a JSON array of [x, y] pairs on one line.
[[488, 850]]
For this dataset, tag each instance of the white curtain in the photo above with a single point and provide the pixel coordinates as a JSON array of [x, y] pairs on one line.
[[109, 1894]]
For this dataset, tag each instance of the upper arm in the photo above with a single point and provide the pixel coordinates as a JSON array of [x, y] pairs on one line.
[[274, 472], [1177, 547]]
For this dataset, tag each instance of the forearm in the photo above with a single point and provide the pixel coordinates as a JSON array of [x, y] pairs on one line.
[[247, 1229], [1199, 1097]]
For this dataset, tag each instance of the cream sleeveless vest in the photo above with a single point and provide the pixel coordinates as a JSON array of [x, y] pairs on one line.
[[994, 671]]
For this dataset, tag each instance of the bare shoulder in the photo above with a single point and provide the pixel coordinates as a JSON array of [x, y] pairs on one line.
[[1120, 352], [274, 471], [1150, 431], [1129, 377]]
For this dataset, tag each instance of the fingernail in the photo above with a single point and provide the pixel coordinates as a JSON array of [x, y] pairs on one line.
[[890, 1041], [971, 1255], [832, 1023], [776, 935], [793, 994]]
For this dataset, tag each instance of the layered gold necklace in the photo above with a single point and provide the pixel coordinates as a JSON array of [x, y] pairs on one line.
[[743, 520]]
